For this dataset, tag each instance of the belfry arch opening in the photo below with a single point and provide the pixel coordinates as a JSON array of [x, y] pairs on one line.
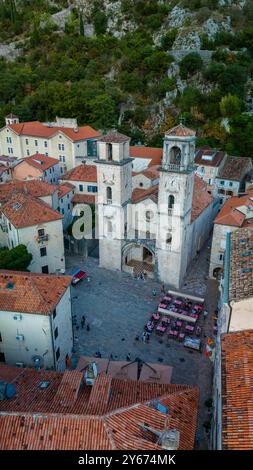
[[138, 260], [175, 155]]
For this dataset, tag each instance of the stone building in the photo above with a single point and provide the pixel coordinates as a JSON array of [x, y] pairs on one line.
[[35, 319], [62, 139], [236, 213], [158, 229], [30, 221]]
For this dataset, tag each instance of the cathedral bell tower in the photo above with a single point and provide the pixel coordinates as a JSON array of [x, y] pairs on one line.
[[175, 204], [114, 176]]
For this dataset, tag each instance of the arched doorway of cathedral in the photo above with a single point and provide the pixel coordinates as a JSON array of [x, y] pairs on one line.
[[138, 258], [217, 273]]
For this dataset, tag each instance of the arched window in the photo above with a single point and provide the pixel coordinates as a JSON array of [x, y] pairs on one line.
[[109, 194], [171, 201], [109, 151], [148, 235], [175, 155]]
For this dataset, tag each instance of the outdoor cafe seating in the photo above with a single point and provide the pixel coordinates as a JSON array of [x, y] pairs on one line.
[[160, 329]]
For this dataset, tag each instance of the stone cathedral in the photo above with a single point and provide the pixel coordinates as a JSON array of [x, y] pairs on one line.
[[156, 230]]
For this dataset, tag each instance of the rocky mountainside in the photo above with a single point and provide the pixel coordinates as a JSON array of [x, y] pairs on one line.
[[138, 65]]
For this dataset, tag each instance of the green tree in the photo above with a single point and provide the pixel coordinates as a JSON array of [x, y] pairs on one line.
[[168, 39], [230, 106], [81, 25], [190, 64], [17, 259]]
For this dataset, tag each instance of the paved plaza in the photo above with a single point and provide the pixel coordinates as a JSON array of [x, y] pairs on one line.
[[117, 307]]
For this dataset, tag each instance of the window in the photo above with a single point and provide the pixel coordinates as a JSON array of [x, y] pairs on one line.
[[222, 183], [149, 215], [9, 226], [27, 153], [148, 235], [50, 171], [171, 201], [55, 332], [43, 251], [109, 194], [230, 183], [62, 158], [68, 206], [26, 141], [54, 313], [61, 146], [45, 143], [91, 148], [53, 169], [221, 257], [9, 141], [41, 232], [36, 143], [109, 226], [57, 355], [45, 173], [141, 184], [44, 269], [92, 189], [46, 154], [109, 152], [81, 187], [168, 238], [62, 211]]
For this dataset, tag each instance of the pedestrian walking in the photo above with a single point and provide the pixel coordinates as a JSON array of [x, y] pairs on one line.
[[83, 319], [205, 314], [143, 337], [128, 357], [88, 327], [163, 289], [154, 293], [82, 324], [136, 338], [147, 337]]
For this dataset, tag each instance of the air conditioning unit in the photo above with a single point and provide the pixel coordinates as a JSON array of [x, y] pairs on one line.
[[20, 338], [17, 317], [20, 364]]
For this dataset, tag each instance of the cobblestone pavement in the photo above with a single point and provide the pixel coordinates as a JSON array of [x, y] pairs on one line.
[[116, 306]]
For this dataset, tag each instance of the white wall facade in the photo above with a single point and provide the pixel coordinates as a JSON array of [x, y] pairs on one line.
[[38, 336]]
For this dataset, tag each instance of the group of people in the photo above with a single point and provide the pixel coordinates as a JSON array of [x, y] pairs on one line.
[[83, 320], [142, 276]]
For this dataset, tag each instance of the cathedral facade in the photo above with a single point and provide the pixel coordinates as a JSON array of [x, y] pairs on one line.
[[156, 231]]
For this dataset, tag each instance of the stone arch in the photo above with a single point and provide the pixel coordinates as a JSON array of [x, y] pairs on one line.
[[137, 258], [217, 272], [175, 155], [109, 193]]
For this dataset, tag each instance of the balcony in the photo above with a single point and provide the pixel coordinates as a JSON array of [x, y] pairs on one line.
[[42, 238], [178, 168]]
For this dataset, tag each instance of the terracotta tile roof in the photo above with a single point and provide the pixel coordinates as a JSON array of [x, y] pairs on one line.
[[180, 131], [83, 199], [201, 198], [151, 173], [35, 188], [37, 432], [140, 194], [237, 386], [90, 423], [207, 156], [114, 137], [64, 189], [39, 161], [37, 129], [241, 265], [31, 292], [25, 211], [81, 173], [69, 388], [230, 213], [235, 168], [140, 151], [11, 116]]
